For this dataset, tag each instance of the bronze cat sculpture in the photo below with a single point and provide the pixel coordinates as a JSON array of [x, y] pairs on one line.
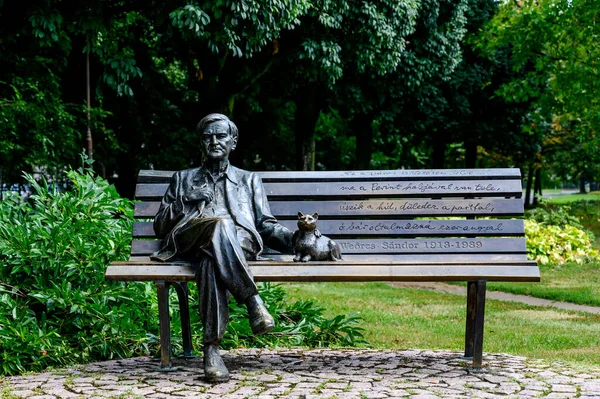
[[309, 244]]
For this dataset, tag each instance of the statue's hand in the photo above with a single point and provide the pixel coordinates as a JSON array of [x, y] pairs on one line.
[[199, 194]]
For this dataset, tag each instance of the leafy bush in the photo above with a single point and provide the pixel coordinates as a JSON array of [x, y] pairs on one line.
[[558, 244], [556, 216], [301, 323], [55, 307]]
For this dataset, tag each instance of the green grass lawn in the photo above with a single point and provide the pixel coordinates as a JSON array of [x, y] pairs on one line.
[[570, 282], [407, 318], [565, 199]]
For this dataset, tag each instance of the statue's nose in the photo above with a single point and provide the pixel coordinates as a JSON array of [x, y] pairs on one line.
[[213, 139]]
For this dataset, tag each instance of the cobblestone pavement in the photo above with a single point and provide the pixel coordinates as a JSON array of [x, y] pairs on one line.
[[324, 373]]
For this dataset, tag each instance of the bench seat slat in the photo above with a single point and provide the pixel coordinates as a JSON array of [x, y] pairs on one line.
[[369, 189], [329, 271], [153, 176]]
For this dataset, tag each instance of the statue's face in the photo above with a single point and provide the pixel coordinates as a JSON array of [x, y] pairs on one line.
[[217, 143]]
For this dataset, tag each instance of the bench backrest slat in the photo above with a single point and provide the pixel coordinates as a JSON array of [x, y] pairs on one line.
[[379, 246], [409, 257], [384, 227], [380, 208], [371, 189], [153, 176]]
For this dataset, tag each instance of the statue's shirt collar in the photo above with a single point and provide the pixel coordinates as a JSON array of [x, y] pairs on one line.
[[203, 174]]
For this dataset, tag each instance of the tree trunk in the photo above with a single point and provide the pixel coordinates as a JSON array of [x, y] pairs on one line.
[[582, 184], [364, 140], [130, 143], [88, 138], [470, 154], [529, 185], [308, 108], [538, 181], [537, 187], [439, 150]]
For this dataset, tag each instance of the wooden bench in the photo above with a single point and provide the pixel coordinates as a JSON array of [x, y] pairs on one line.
[[392, 225]]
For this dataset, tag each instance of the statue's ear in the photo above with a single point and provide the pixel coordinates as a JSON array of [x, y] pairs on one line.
[[300, 214], [316, 215], [234, 143]]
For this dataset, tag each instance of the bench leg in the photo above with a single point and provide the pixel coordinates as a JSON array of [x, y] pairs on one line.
[[475, 318], [183, 295], [162, 289]]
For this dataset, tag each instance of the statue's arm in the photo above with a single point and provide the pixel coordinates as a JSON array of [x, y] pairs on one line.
[[274, 235], [171, 209]]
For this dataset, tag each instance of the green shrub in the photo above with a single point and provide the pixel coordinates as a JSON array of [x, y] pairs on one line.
[[555, 216], [55, 307], [301, 323], [558, 244]]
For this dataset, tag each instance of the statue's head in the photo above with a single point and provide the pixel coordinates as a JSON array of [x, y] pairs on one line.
[[218, 136]]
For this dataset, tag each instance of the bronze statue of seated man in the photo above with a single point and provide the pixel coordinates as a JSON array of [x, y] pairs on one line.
[[218, 216]]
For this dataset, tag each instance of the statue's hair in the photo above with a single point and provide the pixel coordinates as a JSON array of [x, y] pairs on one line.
[[212, 118]]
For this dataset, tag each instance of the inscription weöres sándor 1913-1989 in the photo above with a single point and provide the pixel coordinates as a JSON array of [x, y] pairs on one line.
[[419, 245]]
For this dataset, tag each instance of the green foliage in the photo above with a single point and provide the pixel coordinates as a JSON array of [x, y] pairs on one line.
[[55, 307], [555, 55], [558, 216], [28, 135], [239, 28], [301, 323], [551, 244]]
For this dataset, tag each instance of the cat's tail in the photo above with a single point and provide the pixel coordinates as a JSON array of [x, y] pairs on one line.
[[335, 250]]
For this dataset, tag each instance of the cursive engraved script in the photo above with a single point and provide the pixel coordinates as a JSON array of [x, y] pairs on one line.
[[438, 207], [417, 227]]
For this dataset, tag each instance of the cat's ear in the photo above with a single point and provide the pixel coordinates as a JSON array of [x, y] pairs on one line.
[[300, 214], [315, 215]]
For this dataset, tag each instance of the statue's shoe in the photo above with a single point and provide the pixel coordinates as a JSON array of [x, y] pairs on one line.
[[214, 368], [261, 321]]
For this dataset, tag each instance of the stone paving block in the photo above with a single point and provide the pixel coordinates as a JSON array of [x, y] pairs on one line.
[[590, 387], [62, 393], [23, 393], [525, 393], [508, 388], [559, 395], [563, 388]]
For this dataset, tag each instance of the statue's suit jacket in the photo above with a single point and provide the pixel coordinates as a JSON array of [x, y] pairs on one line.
[[246, 201]]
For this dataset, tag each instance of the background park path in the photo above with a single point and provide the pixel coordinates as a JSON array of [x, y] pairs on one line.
[[502, 296]]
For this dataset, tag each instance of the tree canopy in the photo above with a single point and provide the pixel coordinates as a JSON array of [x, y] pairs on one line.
[[324, 84]]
